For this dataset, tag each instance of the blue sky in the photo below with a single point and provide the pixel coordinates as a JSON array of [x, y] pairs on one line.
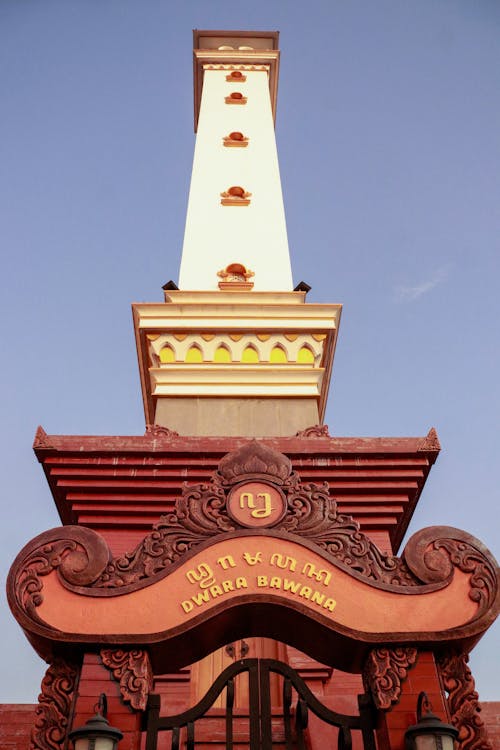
[[388, 134]]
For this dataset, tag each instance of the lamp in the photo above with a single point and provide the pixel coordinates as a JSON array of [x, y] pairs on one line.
[[429, 733], [96, 733]]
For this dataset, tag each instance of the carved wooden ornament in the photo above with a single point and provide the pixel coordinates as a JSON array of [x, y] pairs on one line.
[[463, 701], [132, 669], [52, 715], [309, 576], [385, 671]]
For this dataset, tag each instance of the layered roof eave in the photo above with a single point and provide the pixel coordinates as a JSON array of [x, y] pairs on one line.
[[126, 482]]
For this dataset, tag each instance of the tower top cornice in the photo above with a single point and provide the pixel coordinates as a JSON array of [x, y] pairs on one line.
[[235, 49]]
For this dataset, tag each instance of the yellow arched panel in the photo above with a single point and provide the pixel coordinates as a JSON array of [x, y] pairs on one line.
[[167, 354], [250, 355], [278, 355], [222, 354], [305, 356], [194, 355]]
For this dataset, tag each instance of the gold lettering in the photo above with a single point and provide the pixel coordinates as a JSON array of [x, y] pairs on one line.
[[252, 559], [266, 510], [330, 604], [247, 500], [317, 598], [187, 606], [241, 583], [226, 562], [203, 576], [283, 562], [292, 586], [275, 583], [323, 576], [215, 591], [227, 586], [198, 599], [306, 592], [261, 581]]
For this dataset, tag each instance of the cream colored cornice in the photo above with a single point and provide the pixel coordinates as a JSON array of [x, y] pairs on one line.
[[260, 381], [235, 320]]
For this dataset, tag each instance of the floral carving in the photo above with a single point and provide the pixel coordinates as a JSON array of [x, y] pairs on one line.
[[158, 431], [254, 460], [384, 671], [133, 671], [463, 701], [317, 430], [52, 714]]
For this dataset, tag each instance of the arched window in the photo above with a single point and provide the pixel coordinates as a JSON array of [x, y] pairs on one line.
[[167, 354], [250, 355], [194, 355], [278, 355], [222, 354], [305, 356]]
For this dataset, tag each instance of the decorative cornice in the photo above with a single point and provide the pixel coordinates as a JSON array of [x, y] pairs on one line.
[[316, 431], [132, 669], [55, 702], [384, 671], [227, 313], [463, 702]]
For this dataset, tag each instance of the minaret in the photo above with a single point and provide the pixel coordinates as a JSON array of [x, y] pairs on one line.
[[235, 350]]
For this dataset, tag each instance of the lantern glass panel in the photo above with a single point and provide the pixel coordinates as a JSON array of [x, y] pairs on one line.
[[105, 743], [423, 742], [433, 742]]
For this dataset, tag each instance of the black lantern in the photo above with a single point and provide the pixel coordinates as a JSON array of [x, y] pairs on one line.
[[96, 733], [429, 733]]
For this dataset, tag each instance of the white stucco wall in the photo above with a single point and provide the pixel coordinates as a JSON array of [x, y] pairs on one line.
[[253, 235]]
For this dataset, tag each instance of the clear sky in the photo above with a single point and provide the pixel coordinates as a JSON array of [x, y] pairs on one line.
[[388, 134]]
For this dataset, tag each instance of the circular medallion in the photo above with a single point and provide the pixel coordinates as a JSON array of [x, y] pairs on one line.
[[256, 504]]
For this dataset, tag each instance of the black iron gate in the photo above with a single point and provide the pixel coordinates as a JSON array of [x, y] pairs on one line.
[[297, 701]]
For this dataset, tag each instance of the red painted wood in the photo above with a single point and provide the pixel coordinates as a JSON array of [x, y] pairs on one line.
[[121, 485]]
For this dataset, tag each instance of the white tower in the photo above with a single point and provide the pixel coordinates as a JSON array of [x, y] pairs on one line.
[[235, 147], [235, 350]]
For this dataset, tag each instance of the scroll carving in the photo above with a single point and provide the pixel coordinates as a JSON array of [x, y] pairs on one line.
[[317, 431], [78, 553], [463, 701], [432, 553], [384, 672], [132, 669], [52, 715]]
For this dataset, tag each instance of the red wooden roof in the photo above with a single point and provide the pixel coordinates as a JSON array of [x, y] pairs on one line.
[[120, 486]]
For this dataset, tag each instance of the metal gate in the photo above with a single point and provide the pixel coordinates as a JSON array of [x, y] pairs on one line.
[[262, 730]]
